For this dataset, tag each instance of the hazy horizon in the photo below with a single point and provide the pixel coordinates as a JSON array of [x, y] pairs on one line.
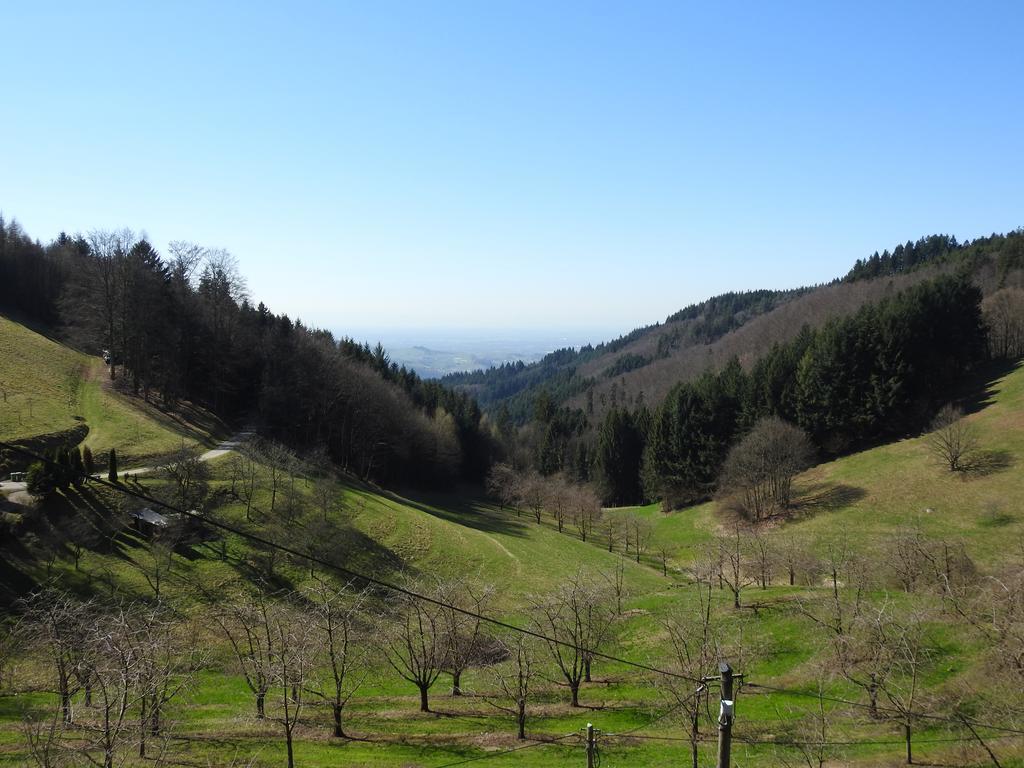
[[432, 352]]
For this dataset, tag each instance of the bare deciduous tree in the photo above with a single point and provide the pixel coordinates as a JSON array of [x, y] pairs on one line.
[[795, 557], [168, 659], [576, 619], [337, 618], [414, 639], [291, 665], [695, 649], [157, 562], [55, 624], [514, 679], [280, 465], [811, 742], [952, 441], [733, 557], [616, 581], [245, 619], [558, 500], [113, 661], [1004, 314], [530, 493], [762, 557], [501, 484], [44, 740], [586, 510], [464, 632], [611, 527], [638, 534], [188, 477], [245, 478], [759, 470]]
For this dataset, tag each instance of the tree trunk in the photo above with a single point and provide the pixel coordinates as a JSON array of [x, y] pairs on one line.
[[522, 719], [457, 683], [424, 701], [288, 740], [339, 732], [586, 670], [260, 700], [694, 735], [575, 688], [910, 751], [65, 705], [142, 731]]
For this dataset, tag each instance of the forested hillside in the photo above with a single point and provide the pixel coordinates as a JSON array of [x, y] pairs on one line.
[[864, 359], [645, 363], [181, 326]]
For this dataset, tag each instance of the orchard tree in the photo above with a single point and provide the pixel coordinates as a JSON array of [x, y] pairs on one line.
[[575, 618], [246, 619], [466, 642], [514, 679], [337, 618], [413, 635]]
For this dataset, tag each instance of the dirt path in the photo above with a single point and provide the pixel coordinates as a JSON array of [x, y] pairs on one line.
[[223, 448], [17, 492]]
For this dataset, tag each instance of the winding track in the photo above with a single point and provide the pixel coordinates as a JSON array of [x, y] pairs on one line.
[[17, 492]]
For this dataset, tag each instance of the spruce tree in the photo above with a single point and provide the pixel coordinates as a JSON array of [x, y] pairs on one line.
[[88, 463], [77, 465]]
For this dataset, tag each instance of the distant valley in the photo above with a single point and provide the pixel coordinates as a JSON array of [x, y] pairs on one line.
[[434, 353]]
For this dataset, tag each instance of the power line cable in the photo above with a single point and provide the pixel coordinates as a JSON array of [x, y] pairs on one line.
[[672, 710], [192, 514]]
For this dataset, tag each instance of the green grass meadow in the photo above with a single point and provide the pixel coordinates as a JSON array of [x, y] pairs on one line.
[[865, 497]]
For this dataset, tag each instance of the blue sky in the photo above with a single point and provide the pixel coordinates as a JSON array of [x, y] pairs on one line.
[[515, 165]]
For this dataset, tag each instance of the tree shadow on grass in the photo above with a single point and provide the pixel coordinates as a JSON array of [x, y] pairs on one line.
[[823, 498], [982, 387], [986, 463], [462, 510]]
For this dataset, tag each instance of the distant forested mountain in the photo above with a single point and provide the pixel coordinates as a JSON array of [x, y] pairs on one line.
[[858, 361], [181, 325], [643, 365]]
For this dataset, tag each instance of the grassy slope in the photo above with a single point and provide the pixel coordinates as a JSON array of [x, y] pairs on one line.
[[881, 489], [51, 388], [870, 495]]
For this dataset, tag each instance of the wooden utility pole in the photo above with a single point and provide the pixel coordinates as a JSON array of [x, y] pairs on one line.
[[725, 716], [591, 745]]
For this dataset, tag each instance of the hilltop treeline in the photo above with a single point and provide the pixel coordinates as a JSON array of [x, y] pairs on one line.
[[180, 326], [1008, 251]]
